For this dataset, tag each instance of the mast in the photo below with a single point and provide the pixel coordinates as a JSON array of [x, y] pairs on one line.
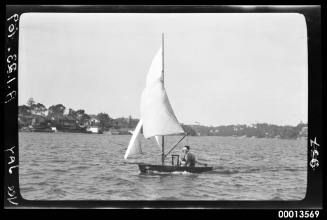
[[163, 150], [163, 77], [163, 59]]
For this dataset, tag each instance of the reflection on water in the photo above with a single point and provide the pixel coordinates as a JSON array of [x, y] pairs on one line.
[[68, 166]]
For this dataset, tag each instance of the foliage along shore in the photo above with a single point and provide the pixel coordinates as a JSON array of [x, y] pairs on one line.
[[36, 117]]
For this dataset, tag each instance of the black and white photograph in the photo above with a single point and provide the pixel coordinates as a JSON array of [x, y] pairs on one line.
[[164, 106], [168, 106]]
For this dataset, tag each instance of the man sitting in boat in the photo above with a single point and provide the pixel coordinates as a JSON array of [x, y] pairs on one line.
[[188, 159]]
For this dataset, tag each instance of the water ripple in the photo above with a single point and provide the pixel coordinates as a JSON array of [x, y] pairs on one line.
[[85, 166]]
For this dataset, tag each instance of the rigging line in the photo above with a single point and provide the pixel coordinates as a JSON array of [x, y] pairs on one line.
[[175, 145]]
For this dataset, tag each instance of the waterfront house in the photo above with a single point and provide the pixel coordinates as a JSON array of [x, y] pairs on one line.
[[93, 129], [94, 121]]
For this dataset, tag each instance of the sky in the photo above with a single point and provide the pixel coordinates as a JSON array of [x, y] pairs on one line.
[[220, 68]]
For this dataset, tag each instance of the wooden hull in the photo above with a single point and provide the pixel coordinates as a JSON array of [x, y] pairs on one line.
[[148, 168]]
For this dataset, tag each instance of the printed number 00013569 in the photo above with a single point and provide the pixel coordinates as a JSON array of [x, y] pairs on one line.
[[298, 214]]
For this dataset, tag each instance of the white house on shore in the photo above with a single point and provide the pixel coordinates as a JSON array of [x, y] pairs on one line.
[[93, 129]]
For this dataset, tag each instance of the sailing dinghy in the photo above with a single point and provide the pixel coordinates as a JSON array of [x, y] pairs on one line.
[[158, 120]]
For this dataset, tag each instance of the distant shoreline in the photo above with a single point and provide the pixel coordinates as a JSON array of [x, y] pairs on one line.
[[108, 133], [37, 117]]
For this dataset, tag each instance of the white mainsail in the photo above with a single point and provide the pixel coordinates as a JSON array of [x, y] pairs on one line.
[[157, 116], [155, 73], [156, 112], [134, 146]]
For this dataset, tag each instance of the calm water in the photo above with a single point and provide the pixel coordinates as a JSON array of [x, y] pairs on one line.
[[91, 166]]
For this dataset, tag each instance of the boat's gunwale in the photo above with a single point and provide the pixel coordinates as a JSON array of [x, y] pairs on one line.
[[144, 167]]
